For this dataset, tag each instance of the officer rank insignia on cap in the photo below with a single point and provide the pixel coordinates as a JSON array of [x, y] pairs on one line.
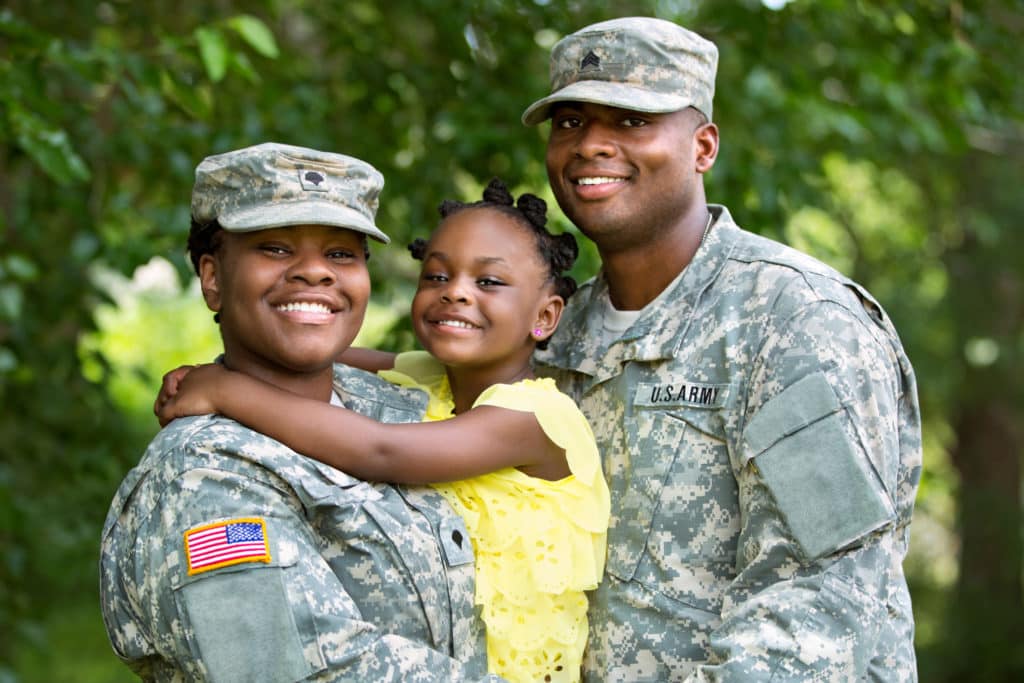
[[222, 544], [591, 60]]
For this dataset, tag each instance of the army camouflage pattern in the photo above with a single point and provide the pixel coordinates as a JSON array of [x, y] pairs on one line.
[[638, 63], [759, 427], [272, 185], [367, 582]]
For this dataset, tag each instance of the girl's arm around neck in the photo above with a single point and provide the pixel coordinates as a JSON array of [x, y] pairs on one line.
[[478, 441]]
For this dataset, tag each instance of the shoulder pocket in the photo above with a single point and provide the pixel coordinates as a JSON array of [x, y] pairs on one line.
[[824, 488], [244, 624]]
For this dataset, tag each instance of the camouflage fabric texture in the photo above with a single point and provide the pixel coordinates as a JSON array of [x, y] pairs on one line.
[[362, 582], [760, 432], [637, 63], [272, 185]]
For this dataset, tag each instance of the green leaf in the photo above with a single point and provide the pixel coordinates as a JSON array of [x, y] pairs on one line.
[[214, 51], [48, 146], [21, 267], [11, 300], [8, 361], [240, 63], [196, 101], [254, 32]]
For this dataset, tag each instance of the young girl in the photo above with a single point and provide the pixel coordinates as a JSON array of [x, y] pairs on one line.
[[520, 459]]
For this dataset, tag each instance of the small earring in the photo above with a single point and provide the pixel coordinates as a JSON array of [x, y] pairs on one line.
[[538, 333]]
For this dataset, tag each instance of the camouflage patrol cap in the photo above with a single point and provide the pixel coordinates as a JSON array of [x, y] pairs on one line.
[[638, 63], [274, 186]]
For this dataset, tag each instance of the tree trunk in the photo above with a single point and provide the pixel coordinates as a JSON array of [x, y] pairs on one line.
[[987, 616]]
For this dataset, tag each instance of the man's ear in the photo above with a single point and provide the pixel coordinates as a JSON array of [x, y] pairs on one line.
[[548, 316], [209, 281], [705, 140]]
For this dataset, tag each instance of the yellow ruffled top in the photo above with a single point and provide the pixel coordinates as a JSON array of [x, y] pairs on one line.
[[539, 544]]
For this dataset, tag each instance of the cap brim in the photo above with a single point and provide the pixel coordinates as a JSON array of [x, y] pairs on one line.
[[306, 212], [609, 94]]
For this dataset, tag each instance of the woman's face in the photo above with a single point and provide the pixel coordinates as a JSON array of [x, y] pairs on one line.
[[290, 299]]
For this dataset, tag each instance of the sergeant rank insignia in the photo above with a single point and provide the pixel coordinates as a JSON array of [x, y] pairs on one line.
[[591, 60]]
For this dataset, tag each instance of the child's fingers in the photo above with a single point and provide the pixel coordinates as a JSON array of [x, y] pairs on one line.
[[163, 419], [173, 378], [168, 388], [172, 408], [161, 400]]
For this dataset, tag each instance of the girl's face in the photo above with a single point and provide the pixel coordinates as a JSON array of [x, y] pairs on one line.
[[483, 291]]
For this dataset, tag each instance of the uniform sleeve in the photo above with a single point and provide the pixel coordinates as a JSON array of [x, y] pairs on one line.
[[268, 608], [821, 540]]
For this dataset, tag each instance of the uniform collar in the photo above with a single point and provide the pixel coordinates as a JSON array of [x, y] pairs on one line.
[[656, 333], [352, 386]]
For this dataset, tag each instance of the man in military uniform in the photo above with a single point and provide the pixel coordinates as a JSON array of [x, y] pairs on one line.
[[757, 415], [227, 556]]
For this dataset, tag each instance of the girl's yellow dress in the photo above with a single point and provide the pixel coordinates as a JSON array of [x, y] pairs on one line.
[[539, 544]]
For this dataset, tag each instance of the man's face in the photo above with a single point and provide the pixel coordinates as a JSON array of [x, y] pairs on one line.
[[290, 299], [623, 177]]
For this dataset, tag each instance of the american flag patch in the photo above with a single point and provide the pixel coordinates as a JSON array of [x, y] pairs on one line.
[[226, 543]]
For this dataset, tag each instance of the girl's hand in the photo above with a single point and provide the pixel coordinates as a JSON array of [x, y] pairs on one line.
[[189, 390], [169, 387]]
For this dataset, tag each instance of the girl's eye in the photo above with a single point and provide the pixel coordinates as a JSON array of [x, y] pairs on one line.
[[435, 277], [489, 282]]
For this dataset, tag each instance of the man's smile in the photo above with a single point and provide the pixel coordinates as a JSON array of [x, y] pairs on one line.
[[597, 180]]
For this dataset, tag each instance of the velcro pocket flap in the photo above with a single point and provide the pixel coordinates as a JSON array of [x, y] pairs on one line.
[[824, 488], [797, 406], [245, 627]]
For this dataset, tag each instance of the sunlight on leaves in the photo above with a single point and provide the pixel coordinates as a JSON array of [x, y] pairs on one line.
[[213, 50], [256, 34]]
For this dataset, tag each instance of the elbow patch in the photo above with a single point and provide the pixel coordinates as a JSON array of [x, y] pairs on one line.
[[825, 490]]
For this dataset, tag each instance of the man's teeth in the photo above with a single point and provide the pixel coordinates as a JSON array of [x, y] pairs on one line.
[[598, 180], [456, 323], [304, 306]]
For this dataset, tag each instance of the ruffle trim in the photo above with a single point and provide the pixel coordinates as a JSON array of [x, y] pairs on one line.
[[539, 544]]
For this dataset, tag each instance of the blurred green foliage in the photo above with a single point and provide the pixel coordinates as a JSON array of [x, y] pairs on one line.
[[886, 138]]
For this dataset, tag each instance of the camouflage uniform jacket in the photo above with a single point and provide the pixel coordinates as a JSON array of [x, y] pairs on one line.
[[760, 432], [359, 581]]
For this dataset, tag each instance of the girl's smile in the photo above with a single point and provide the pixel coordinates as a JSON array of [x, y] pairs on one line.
[[482, 291], [456, 324]]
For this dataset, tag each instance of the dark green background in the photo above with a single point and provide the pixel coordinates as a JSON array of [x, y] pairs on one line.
[[884, 137]]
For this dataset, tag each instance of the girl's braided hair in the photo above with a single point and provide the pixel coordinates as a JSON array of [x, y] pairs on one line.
[[559, 252]]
